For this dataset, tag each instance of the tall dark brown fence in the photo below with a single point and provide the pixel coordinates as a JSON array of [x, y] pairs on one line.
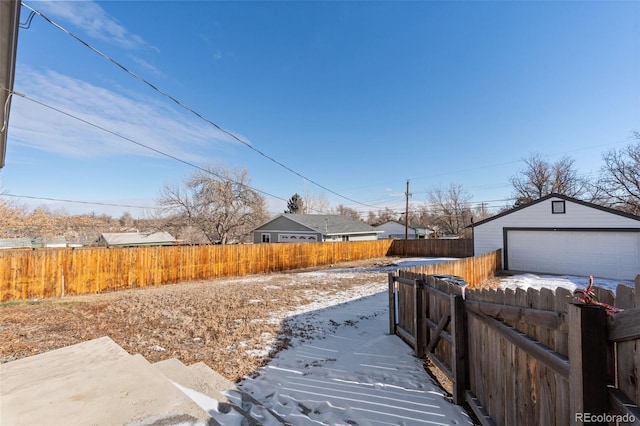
[[462, 247], [526, 357]]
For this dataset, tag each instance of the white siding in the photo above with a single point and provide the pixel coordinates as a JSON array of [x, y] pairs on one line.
[[488, 236], [613, 255], [363, 237]]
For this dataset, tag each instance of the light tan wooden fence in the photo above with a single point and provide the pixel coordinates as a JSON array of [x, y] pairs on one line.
[[26, 274], [526, 357], [474, 269]]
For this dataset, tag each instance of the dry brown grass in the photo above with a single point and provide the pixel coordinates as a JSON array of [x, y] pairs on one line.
[[218, 322]]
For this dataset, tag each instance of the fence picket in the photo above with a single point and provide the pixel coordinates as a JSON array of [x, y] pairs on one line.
[[38, 273], [627, 378], [511, 396], [561, 346], [531, 379]]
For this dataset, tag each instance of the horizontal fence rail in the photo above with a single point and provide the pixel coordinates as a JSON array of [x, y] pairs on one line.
[[525, 356]]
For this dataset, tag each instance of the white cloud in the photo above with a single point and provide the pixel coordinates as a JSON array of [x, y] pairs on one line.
[[146, 66], [172, 131], [90, 18]]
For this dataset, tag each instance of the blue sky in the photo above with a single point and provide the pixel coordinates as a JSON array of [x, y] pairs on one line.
[[355, 96]]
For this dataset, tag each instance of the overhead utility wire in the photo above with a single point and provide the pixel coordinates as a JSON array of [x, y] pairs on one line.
[[78, 201], [152, 86], [27, 24], [173, 157]]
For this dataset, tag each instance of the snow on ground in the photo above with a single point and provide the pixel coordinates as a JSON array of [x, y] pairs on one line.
[[569, 282], [343, 368], [408, 262]]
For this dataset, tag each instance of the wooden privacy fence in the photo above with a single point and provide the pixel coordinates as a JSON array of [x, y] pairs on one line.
[[431, 247], [57, 272], [41, 273], [526, 357], [473, 269]]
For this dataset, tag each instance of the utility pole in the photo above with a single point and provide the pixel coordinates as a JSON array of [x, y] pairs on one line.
[[406, 213]]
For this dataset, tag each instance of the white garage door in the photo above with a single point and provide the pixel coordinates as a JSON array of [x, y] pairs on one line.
[[613, 255]]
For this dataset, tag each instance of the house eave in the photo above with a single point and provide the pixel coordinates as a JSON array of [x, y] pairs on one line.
[[10, 21], [332, 234], [563, 197]]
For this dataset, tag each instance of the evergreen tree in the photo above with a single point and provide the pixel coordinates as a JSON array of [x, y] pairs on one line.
[[295, 204]]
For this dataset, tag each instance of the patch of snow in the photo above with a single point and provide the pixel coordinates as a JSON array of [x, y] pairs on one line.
[[342, 367], [157, 348], [570, 282]]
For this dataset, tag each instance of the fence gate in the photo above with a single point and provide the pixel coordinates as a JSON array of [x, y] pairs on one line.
[[428, 314]]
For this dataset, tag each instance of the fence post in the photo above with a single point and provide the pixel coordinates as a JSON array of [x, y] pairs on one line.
[[587, 362], [419, 318], [459, 349], [392, 304]]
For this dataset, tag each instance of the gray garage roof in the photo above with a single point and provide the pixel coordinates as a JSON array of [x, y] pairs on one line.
[[329, 224], [137, 239]]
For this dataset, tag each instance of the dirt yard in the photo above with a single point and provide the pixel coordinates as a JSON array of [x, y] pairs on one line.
[[232, 324]]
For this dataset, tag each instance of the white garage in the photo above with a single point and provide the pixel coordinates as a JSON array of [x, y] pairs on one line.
[[561, 235]]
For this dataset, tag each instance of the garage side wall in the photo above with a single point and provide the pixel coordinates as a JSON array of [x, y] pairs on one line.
[[489, 236]]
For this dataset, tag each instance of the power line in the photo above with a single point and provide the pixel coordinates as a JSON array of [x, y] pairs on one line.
[[187, 108], [173, 157], [97, 203]]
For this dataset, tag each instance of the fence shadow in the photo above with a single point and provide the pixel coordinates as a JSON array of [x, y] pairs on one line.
[[342, 367]]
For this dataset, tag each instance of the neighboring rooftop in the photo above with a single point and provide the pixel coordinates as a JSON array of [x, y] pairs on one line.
[[13, 243], [329, 224], [136, 239]]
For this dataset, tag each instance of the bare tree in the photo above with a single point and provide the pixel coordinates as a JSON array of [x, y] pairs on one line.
[[540, 178], [481, 212], [421, 215], [127, 220], [347, 211], [450, 207], [13, 223], [217, 202], [315, 203], [620, 178], [382, 216]]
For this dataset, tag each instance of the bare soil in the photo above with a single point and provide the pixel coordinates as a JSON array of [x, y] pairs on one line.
[[234, 325]]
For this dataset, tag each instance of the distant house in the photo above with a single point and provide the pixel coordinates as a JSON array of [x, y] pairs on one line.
[[32, 243], [305, 228], [134, 239], [562, 235], [396, 230], [15, 243], [55, 242]]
